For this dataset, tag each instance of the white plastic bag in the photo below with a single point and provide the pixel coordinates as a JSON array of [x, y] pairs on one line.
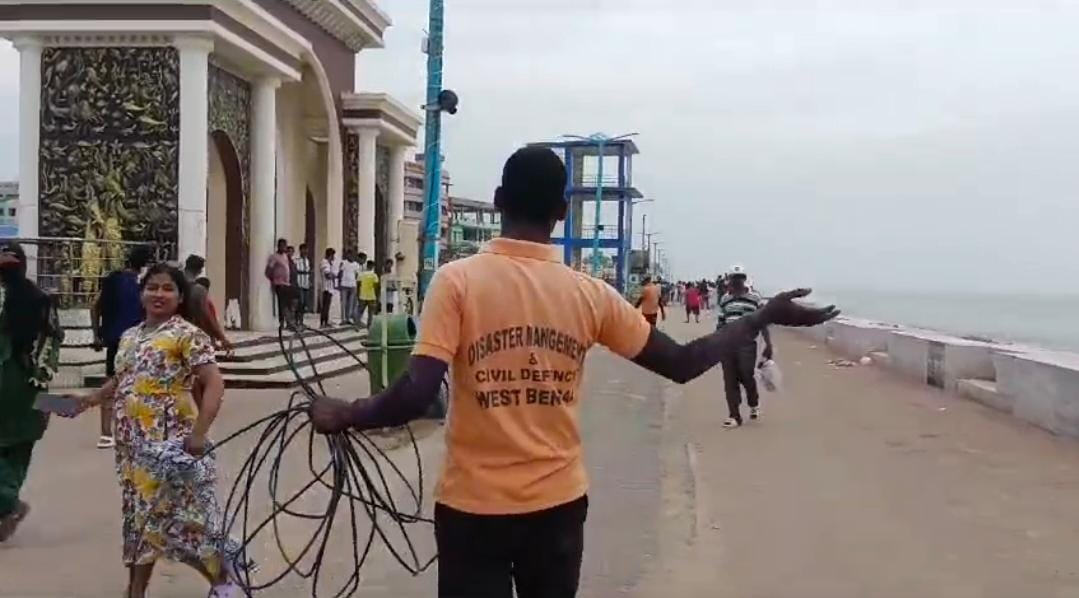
[[770, 376]]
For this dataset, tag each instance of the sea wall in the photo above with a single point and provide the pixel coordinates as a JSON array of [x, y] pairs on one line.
[[1034, 384]]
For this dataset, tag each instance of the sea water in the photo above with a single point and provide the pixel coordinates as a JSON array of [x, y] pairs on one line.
[[1047, 320]]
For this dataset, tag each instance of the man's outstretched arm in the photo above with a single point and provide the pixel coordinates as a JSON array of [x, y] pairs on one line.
[[683, 363]]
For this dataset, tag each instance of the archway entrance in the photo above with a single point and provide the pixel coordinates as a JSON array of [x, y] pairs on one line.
[[227, 255]]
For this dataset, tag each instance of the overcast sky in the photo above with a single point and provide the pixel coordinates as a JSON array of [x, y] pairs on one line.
[[844, 144]]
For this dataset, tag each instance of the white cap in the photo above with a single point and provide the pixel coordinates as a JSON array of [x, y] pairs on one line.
[[737, 270]]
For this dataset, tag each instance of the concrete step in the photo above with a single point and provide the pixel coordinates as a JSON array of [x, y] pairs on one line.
[[276, 361], [327, 369], [271, 346], [984, 392], [263, 365]]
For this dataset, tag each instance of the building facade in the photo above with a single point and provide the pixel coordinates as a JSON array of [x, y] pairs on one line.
[[208, 127], [9, 209], [472, 223]]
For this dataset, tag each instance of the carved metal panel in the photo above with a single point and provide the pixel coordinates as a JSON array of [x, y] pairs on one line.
[[352, 192], [110, 129]]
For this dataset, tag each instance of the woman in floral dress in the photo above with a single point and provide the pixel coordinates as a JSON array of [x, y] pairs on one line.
[[169, 506]]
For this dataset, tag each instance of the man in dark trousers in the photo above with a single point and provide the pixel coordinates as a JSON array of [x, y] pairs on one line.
[[739, 367], [512, 500], [118, 307]]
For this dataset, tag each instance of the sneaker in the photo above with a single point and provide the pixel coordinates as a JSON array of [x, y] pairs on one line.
[[731, 423], [754, 413], [106, 442]]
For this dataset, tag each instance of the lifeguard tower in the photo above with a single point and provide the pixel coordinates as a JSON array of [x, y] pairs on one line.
[[611, 232]]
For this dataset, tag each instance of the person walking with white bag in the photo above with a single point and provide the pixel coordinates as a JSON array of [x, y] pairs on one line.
[[739, 367]]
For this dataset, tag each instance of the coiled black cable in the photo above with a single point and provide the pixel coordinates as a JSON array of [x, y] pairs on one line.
[[349, 469]]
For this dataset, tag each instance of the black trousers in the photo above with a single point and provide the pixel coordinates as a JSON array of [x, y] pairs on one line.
[[738, 371], [111, 351], [487, 556], [324, 308]]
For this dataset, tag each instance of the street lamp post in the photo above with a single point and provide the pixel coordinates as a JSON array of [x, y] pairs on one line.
[[601, 140]]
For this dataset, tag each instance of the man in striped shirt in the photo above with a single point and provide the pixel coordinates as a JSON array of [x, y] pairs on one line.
[[739, 366]]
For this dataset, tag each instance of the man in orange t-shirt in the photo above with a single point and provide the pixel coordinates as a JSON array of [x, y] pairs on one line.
[[515, 324], [651, 301]]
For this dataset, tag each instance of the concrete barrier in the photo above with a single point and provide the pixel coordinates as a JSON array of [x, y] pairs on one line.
[[854, 338], [938, 359], [1041, 387], [1033, 384]]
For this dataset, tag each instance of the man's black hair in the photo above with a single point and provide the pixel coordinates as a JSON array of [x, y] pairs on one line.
[[533, 185], [139, 257], [195, 264]]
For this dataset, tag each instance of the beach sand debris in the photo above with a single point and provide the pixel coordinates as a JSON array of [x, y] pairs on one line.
[[841, 363]]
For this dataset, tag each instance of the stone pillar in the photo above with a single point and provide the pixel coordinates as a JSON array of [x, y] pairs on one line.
[[396, 209], [194, 152], [366, 181], [263, 202], [29, 140]]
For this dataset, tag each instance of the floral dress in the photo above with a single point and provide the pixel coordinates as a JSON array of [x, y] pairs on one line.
[[169, 505]]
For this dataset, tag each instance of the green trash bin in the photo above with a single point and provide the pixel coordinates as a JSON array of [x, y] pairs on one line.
[[389, 344]]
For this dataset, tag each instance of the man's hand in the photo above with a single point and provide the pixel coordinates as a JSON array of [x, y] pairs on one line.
[[330, 416], [783, 311]]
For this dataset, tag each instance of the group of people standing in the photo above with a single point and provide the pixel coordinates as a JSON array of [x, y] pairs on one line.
[[358, 285], [290, 277]]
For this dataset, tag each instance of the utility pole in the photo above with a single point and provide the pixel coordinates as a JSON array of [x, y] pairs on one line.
[[644, 229], [438, 101]]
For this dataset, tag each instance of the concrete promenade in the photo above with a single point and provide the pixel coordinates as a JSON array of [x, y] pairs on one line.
[[857, 482]]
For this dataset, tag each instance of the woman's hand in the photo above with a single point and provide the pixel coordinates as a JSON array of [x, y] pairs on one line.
[[195, 445]]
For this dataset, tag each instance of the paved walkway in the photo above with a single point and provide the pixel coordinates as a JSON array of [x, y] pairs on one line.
[[856, 483]]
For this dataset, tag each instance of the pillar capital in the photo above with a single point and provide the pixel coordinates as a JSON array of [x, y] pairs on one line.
[[366, 131], [28, 42], [194, 44], [267, 83]]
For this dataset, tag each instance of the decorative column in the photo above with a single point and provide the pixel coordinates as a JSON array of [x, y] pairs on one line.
[[263, 202], [396, 209], [29, 139], [366, 179], [194, 157]]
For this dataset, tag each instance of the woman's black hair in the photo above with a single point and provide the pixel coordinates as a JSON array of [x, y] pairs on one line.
[[183, 287], [27, 309]]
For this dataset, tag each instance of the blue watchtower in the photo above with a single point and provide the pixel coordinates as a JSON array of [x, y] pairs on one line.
[[609, 233]]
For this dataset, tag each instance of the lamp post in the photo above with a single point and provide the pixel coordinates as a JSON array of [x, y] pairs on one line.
[[601, 140]]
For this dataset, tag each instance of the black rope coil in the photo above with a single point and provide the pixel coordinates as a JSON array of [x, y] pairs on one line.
[[355, 472]]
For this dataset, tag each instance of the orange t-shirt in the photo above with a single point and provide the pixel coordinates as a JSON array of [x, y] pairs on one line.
[[514, 324], [650, 299]]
